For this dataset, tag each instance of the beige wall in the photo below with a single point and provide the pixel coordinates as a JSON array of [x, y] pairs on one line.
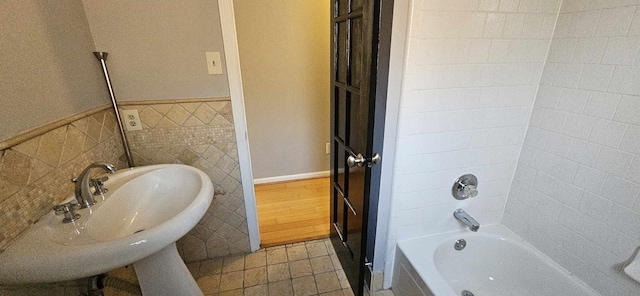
[[49, 73], [285, 59], [157, 48], [157, 52], [48, 69]]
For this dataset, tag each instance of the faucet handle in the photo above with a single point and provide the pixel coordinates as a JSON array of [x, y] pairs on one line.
[[98, 184], [470, 191], [67, 209], [464, 187]]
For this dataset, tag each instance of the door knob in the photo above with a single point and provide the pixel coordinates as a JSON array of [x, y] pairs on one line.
[[359, 160]]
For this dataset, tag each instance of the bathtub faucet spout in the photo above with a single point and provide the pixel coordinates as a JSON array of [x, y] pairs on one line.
[[461, 215]]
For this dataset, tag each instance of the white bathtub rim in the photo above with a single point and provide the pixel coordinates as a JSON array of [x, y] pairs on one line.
[[429, 272], [434, 280]]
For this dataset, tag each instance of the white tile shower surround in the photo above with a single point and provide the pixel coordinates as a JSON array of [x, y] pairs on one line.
[[473, 71], [575, 193], [471, 75]]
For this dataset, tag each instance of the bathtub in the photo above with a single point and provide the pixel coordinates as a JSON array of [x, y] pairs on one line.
[[495, 261]]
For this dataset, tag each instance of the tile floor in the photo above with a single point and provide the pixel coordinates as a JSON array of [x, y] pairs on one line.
[[300, 269]]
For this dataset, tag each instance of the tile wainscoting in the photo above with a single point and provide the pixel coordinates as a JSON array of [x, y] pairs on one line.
[[36, 174], [199, 133]]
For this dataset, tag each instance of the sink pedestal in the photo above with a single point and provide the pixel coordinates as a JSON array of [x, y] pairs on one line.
[[164, 273]]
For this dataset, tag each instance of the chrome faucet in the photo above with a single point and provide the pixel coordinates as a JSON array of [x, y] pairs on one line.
[[461, 215], [83, 184]]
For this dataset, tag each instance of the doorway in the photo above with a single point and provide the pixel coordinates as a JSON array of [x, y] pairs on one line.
[[380, 32], [284, 48]]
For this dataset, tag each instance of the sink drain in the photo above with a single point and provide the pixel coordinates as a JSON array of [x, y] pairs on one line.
[[141, 230], [459, 246], [466, 293]]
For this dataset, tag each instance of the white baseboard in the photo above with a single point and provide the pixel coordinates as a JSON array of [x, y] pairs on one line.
[[291, 177]]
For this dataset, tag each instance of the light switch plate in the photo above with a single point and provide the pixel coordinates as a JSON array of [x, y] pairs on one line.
[[214, 62], [131, 120]]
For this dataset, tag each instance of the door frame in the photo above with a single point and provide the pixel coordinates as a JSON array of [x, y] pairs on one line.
[[394, 89], [384, 255], [232, 60]]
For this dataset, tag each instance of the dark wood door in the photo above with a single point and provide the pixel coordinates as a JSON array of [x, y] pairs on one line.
[[355, 56]]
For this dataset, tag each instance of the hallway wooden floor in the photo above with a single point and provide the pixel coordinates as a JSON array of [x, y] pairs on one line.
[[293, 211]]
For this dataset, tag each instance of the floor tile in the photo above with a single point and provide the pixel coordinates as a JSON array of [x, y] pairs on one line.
[[333, 293], [233, 263], [306, 269], [297, 252], [278, 272], [336, 261], [277, 255], [209, 284], [255, 276], [327, 282], [329, 245], [256, 259], [296, 244], [259, 290], [300, 268], [209, 267], [194, 268], [281, 288], [236, 292], [321, 264], [231, 280], [317, 249], [304, 286], [342, 277]]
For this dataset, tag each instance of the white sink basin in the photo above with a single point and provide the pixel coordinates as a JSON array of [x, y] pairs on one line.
[[144, 212]]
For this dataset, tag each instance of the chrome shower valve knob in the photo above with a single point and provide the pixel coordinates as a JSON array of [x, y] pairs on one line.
[[470, 191], [465, 186]]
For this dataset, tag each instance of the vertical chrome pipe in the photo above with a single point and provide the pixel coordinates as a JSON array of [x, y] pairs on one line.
[[102, 57]]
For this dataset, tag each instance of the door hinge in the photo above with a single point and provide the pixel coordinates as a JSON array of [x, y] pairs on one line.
[[368, 264]]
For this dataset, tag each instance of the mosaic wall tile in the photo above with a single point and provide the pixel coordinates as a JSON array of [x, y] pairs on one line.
[[200, 134], [36, 174]]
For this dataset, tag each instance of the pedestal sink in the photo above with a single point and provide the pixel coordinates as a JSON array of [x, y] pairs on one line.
[[146, 210]]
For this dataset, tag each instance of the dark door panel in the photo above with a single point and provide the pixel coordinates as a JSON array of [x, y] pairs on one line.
[[354, 64]]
